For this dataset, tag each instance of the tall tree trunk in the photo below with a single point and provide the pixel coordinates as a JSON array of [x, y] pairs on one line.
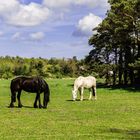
[[120, 66], [126, 66], [138, 57], [128, 60], [125, 76], [115, 69], [131, 75], [137, 34]]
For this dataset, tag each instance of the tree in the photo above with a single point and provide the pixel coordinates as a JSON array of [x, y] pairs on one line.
[[117, 38]]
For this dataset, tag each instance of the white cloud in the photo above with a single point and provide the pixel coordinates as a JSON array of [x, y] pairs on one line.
[[86, 24], [8, 7], [37, 36], [29, 15], [66, 3], [17, 14], [92, 3], [16, 36], [56, 3], [62, 7]]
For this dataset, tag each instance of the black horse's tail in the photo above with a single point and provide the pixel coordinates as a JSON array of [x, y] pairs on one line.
[[13, 93], [46, 96]]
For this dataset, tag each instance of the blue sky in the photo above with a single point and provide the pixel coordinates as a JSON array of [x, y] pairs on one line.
[[49, 28]]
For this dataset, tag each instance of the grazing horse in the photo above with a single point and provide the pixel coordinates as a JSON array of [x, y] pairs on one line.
[[84, 82], [29, 84]]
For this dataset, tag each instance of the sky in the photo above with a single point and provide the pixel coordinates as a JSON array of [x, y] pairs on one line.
[[49, 28]]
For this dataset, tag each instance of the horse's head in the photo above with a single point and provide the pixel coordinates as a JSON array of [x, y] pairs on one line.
[[74, 95]]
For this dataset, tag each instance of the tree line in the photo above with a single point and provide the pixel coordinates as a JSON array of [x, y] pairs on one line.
[[51, 68], [116, 44]]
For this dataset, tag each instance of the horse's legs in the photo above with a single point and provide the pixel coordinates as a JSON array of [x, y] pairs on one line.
[[37, 98], [90, 96], [35, 103], [13, 98], [94, 92], [82, 91], [40, 106], [18, 97]]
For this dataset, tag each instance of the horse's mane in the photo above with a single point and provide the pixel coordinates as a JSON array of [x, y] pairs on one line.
[[28, 77]]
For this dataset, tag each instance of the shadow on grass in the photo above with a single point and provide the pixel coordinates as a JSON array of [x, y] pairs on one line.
[[70, 100], [20, 107], [124, 87], [28, 106], [135, 88], [70, 85], [133, 134], [77, 100]]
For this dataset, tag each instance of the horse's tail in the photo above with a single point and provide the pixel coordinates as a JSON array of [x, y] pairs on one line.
[[46, 96], [13, 93]]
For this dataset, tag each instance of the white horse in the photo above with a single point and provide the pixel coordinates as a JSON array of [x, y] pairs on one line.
[[84, 82]]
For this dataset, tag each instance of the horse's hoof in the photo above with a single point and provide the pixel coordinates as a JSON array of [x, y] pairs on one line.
[[40, 106], [35, 106], [10, 106], [44, 107], [20, 106]]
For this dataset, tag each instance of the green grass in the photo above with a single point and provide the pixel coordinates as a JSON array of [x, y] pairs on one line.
[[115, 115]]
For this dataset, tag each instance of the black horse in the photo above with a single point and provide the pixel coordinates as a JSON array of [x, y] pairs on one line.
[[29, 84]]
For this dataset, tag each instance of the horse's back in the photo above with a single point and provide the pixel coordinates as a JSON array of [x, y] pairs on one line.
[[34, 84], [29, 84], [91, 79], [86, 78], [87, 82]]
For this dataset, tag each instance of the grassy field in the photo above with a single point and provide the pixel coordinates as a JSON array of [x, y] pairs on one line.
[[115, 115]]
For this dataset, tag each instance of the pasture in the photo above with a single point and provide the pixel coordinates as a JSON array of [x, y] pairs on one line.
[[115, 115]]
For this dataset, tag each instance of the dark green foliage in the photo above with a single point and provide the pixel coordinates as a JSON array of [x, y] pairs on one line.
[[117, 41], [53, 68]]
